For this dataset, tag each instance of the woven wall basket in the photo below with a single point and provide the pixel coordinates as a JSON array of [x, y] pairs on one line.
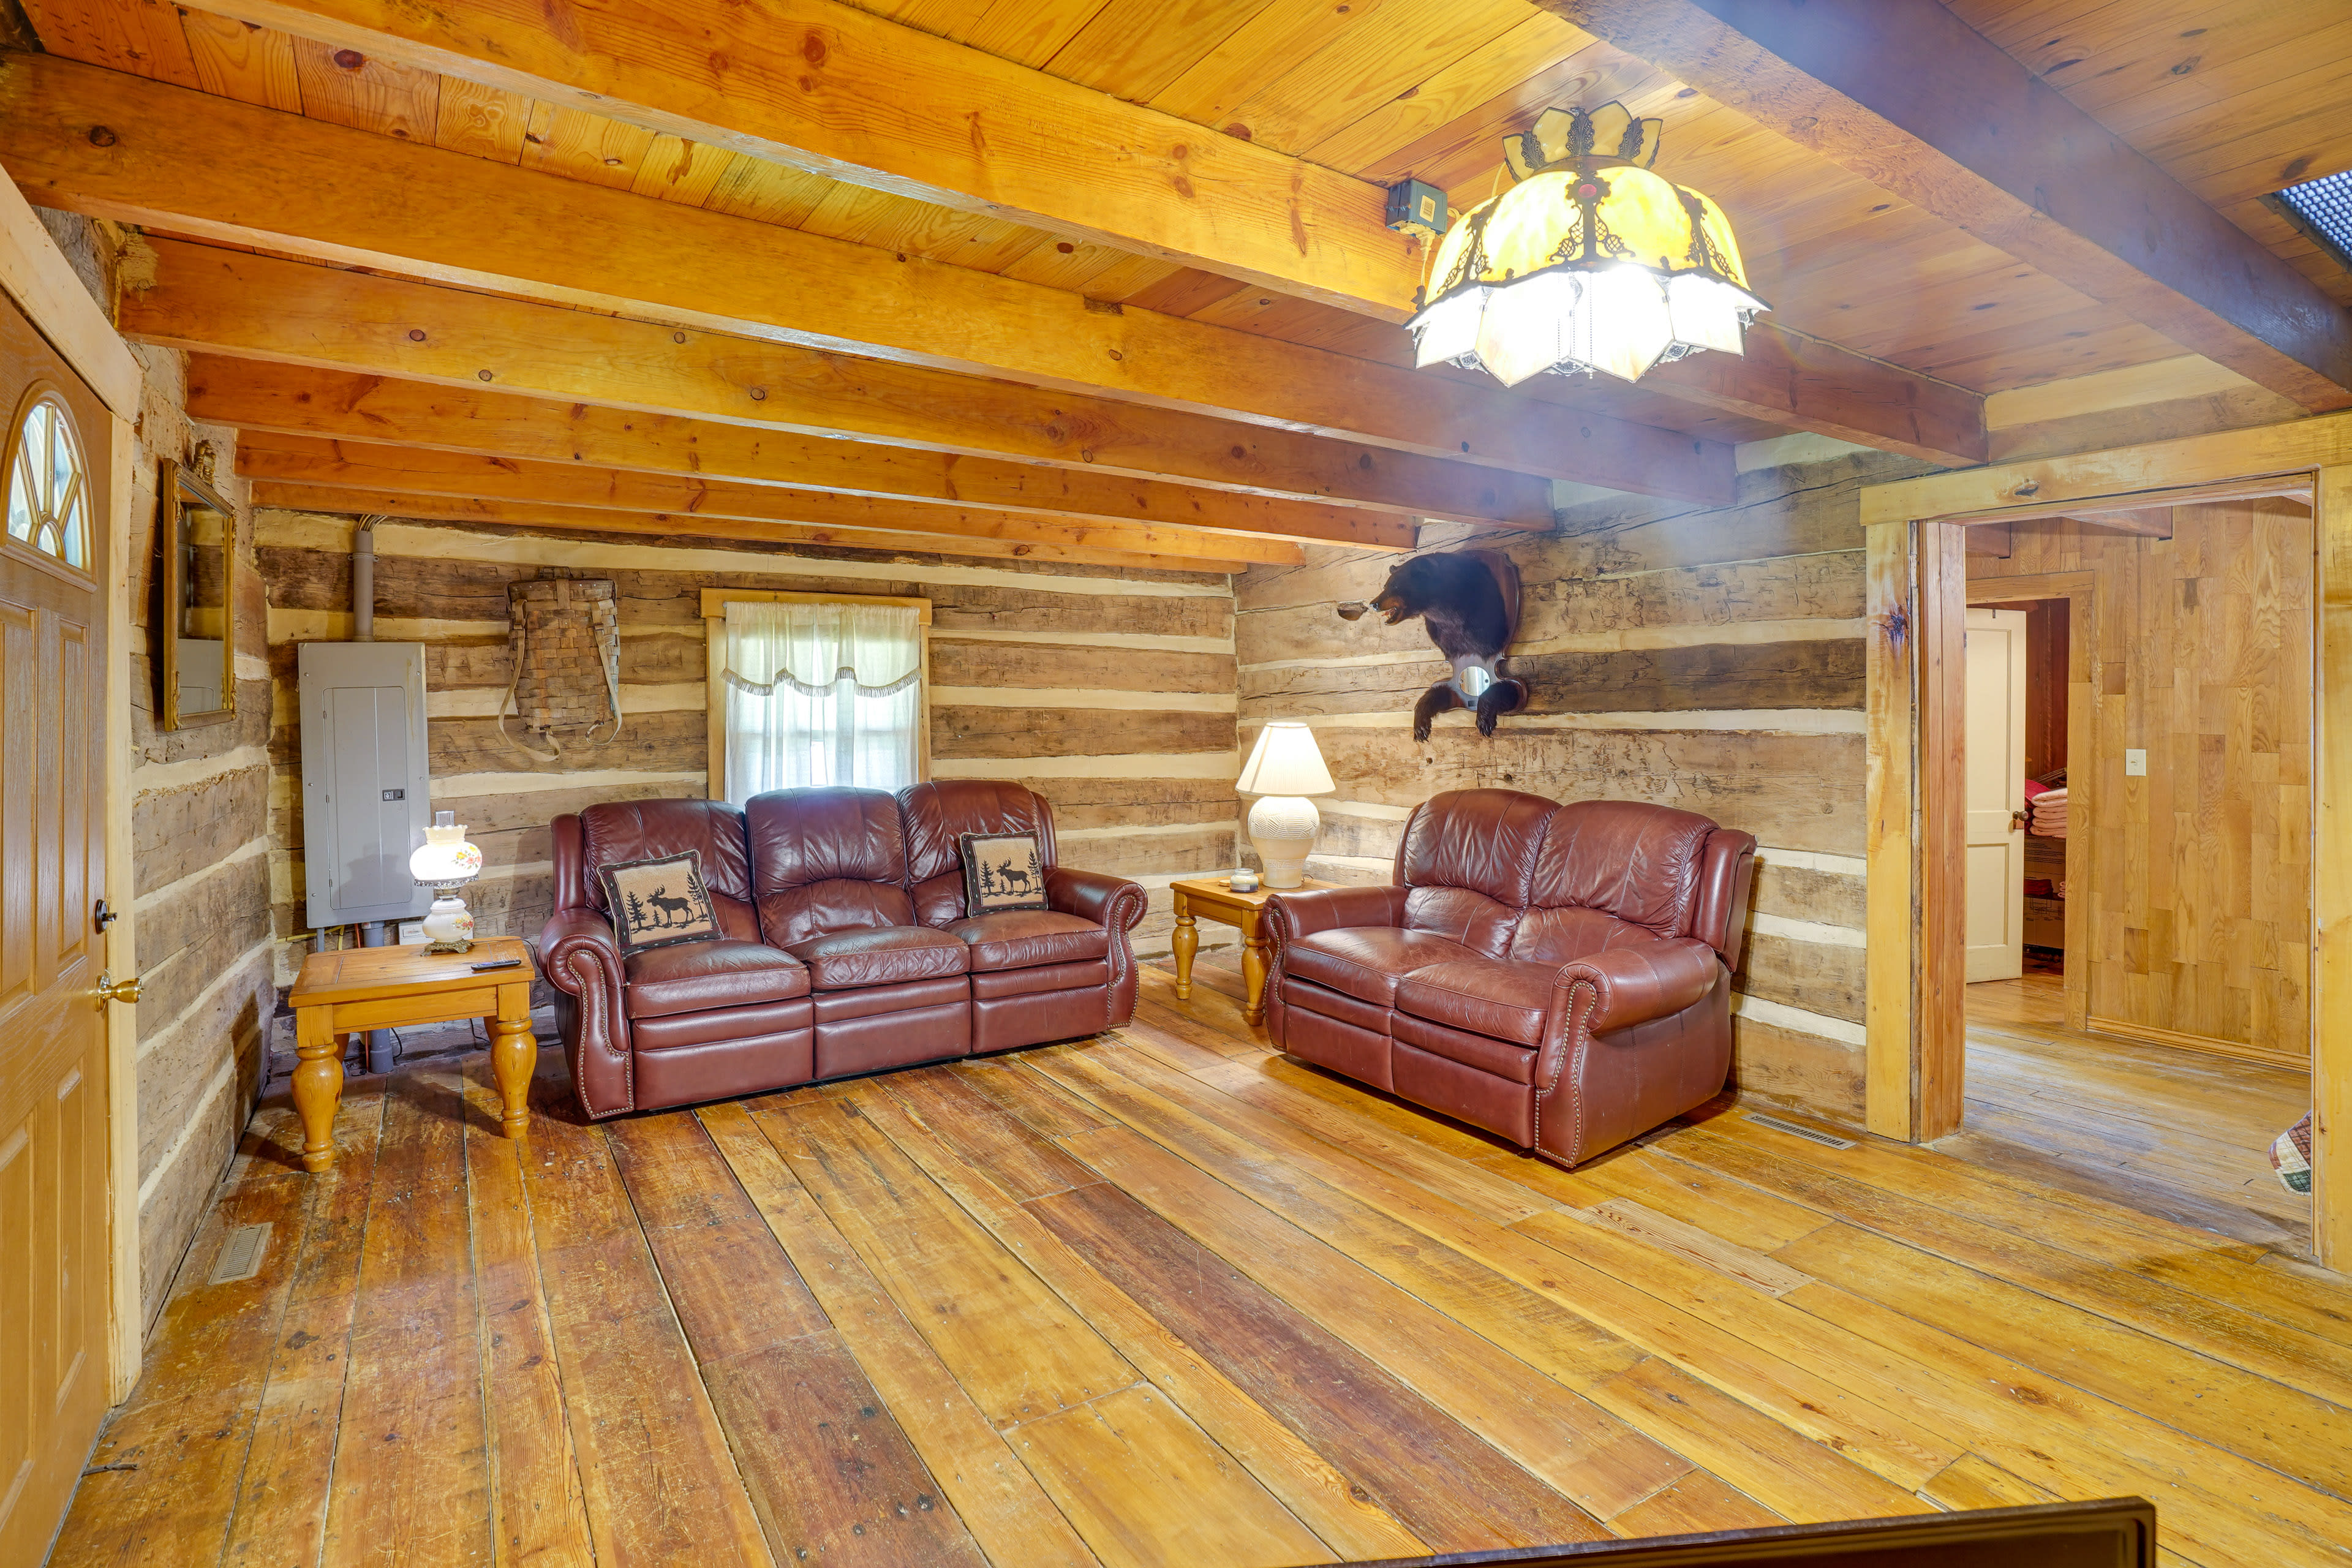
[[564, 637]]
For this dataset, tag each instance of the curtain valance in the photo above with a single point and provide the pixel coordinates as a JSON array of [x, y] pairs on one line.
[[810, 649]]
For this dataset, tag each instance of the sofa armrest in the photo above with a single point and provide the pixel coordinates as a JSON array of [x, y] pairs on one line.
[[578, 950], [1635, 983], [580, 958], [1289, 916], [1112, 901]]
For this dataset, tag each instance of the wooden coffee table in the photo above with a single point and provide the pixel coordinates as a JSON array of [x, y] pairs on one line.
[[1208, 896], [339, 994]]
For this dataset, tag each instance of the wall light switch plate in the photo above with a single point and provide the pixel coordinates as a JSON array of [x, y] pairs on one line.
[[2134, 764]]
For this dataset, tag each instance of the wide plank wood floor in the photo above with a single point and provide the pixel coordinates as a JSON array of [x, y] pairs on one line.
[[2178, 1132], [1163, 1297]]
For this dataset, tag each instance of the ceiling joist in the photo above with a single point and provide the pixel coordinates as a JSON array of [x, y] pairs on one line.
[[343, 194], [293, 312], [346, 195], [1913, 99], [846, 94], [345, 465], [295, 400], [1807, 384], [531, 517]]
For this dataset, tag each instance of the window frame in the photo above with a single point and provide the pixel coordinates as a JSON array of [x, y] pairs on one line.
[[41, 390], [714, 625]]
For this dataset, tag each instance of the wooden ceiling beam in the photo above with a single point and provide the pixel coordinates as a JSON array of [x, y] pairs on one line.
[[293, 312], [1798, 383], [346, 195], [350, 465], [846, 94], [529, 516], [1913, 99], [295, 400]]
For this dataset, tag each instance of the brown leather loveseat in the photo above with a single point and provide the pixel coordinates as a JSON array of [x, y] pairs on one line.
[[1558, 975], [847, 947]]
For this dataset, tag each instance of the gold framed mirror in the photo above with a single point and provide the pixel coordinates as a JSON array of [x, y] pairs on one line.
[[196, 648]]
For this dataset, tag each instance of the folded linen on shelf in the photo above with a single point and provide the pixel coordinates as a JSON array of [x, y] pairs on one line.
[[2046, 814]]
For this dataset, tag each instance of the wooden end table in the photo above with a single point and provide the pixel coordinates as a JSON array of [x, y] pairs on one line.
[[358, 988], [1209, 896]]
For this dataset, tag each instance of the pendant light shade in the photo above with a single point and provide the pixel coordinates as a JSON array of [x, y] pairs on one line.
[[1588, 263]]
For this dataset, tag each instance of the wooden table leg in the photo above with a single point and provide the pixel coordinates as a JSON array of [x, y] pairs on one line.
[[514, 1058], [1253, 971], [318, 1083], [1186, 942]]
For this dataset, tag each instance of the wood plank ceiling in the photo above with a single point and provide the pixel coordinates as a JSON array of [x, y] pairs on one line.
[[1889, 323], [2234, 101]]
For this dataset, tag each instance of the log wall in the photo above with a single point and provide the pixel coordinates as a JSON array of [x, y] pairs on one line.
[[200, 842], [1707, 659], [1111, 693]]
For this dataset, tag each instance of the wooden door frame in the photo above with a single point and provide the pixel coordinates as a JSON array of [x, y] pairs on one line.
[[40, 281], [1916, 587]]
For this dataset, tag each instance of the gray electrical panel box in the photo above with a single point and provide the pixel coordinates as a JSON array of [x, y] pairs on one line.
[[365, 785]]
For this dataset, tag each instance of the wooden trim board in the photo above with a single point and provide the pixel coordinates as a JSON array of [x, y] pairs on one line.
[[2119, 510], [1917, 583], [36, 274], [715, 600], [2222, 466], [2148, 1034], [2331, 904], [126, 1340]]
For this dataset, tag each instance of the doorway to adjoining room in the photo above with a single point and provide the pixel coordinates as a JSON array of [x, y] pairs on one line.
[[2137, 864]]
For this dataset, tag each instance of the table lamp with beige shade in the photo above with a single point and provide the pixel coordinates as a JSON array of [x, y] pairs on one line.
[[1283, 769]]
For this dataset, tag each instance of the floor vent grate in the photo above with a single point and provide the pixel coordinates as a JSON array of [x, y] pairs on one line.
[[1794, 1130], [240, 1255]]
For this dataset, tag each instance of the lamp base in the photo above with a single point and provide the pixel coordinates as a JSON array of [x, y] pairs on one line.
[[448, 924], [1282, 829]]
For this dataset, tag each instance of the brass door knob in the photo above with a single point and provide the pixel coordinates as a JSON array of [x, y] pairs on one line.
[[110, 989], [2017, 822]]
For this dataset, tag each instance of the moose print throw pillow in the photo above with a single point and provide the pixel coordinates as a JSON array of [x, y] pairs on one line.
[[1002, 871], [656, 903]]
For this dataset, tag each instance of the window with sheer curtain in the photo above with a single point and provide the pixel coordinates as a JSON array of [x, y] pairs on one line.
[[820, 692]]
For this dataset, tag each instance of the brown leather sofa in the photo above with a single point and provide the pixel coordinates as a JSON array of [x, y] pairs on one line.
[[1558, 975], [847, 947]]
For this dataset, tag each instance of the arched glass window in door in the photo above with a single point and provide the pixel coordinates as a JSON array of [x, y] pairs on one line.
[[49, 486]]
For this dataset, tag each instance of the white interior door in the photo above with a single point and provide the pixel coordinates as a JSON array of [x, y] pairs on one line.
[[1995, 792]]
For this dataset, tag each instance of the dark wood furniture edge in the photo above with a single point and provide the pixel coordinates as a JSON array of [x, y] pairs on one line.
[[2041, 1535]]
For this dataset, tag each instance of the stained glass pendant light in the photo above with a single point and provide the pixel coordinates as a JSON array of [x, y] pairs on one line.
[[1589, 262]]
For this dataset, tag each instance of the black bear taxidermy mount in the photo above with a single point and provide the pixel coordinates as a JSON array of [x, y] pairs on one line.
[[1468, 601]]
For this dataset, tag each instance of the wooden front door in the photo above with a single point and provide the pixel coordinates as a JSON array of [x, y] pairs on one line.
[[54, 1257]]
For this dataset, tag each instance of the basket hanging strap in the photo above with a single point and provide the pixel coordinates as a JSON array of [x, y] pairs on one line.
[[608, 655], [555, 753]]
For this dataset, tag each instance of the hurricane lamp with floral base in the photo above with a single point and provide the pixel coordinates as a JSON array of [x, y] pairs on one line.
[[445, 862]]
